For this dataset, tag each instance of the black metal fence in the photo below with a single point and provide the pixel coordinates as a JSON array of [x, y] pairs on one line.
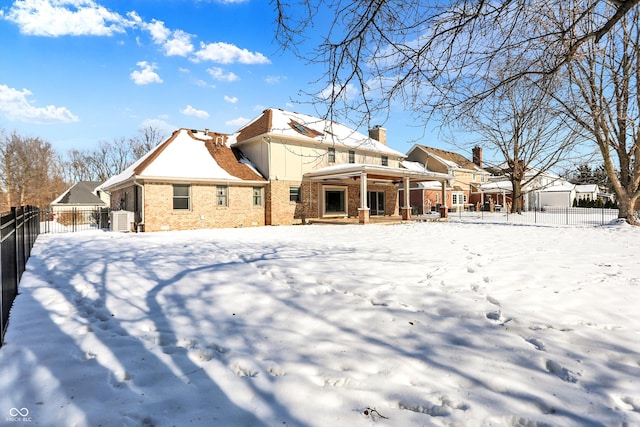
[[73, 219], [19, 230], [544, 216]]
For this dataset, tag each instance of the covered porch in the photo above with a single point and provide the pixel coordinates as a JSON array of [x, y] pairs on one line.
[[372, 184]]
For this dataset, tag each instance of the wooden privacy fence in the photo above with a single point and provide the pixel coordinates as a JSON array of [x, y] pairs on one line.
[[18, 232]]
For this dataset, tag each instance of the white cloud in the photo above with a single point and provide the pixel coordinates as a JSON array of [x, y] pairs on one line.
[[67, 17], [219, 74], [159, 124], [174, 43], [190, 111], [231, 99], [159, 32], [202, 83], [240, 121], [225, 53], [274, 80], [146, 75], [14, 105], [179, 45]]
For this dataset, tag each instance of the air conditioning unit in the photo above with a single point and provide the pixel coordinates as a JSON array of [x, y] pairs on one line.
[[122, 220]]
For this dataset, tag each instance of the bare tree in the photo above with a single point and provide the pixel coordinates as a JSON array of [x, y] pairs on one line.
[[423, 53], [147, 138], [111, 158], [525, 132], [29, 171], [605, 103]]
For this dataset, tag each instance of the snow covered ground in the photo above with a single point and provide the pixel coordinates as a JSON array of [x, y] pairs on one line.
[[423, 324]]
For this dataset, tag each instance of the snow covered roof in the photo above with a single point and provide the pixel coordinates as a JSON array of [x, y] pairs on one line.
[[496, 186], [450, 159], [190, 155], [587, 188], [277, 122], [413, 166], [561, 187], [81, 193]]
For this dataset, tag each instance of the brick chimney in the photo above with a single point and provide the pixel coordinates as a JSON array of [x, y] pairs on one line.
[[379, 134], [477, 155]]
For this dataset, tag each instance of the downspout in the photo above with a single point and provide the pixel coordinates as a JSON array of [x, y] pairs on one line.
[[268, 212], [141, 202]]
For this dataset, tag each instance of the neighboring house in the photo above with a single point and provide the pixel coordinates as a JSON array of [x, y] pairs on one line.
[[192, 180], [589, 192], [83, 195], [559, 195], [281, 168], [321, 169], [541, 188], [462, 189], [82, 203]]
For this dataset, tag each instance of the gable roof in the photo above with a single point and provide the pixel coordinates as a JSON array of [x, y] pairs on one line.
[[287, 124], [190, 155], [587, 188], [81, 193], [449, 158]]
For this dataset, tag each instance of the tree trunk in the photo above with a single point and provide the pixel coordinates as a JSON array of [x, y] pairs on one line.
[[626, 208], [517, 202]]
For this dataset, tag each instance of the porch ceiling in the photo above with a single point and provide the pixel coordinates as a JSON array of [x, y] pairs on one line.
[[374, 172]]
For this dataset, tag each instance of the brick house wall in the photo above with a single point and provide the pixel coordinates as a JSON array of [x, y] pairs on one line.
[[281, 211], [204, 211]]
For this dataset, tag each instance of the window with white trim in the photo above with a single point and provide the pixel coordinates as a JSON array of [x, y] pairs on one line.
[[222, 195], [257, 196], [181, 196]]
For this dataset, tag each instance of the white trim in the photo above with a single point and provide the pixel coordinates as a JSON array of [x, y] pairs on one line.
[[323, 205]]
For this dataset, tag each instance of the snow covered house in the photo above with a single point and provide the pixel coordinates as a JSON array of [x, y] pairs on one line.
[[587, 192], [192, 180], [461, 190], [318, 168], [281, 168], [541, 188], [83, 195]]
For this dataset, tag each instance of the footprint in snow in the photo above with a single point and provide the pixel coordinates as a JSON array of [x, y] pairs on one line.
[[634, 403], [536, 343], [561, 372], [492, 300]]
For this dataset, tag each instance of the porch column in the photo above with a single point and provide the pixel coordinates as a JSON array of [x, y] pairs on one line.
[[406, 209], [444, 211], [363, 210]]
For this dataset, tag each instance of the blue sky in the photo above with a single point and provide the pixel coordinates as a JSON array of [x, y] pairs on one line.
[[75, 72]]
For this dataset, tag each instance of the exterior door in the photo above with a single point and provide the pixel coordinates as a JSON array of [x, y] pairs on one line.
[[376, 203], [335, 201]]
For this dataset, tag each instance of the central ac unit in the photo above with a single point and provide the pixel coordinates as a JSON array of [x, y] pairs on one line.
[[122, 220]]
